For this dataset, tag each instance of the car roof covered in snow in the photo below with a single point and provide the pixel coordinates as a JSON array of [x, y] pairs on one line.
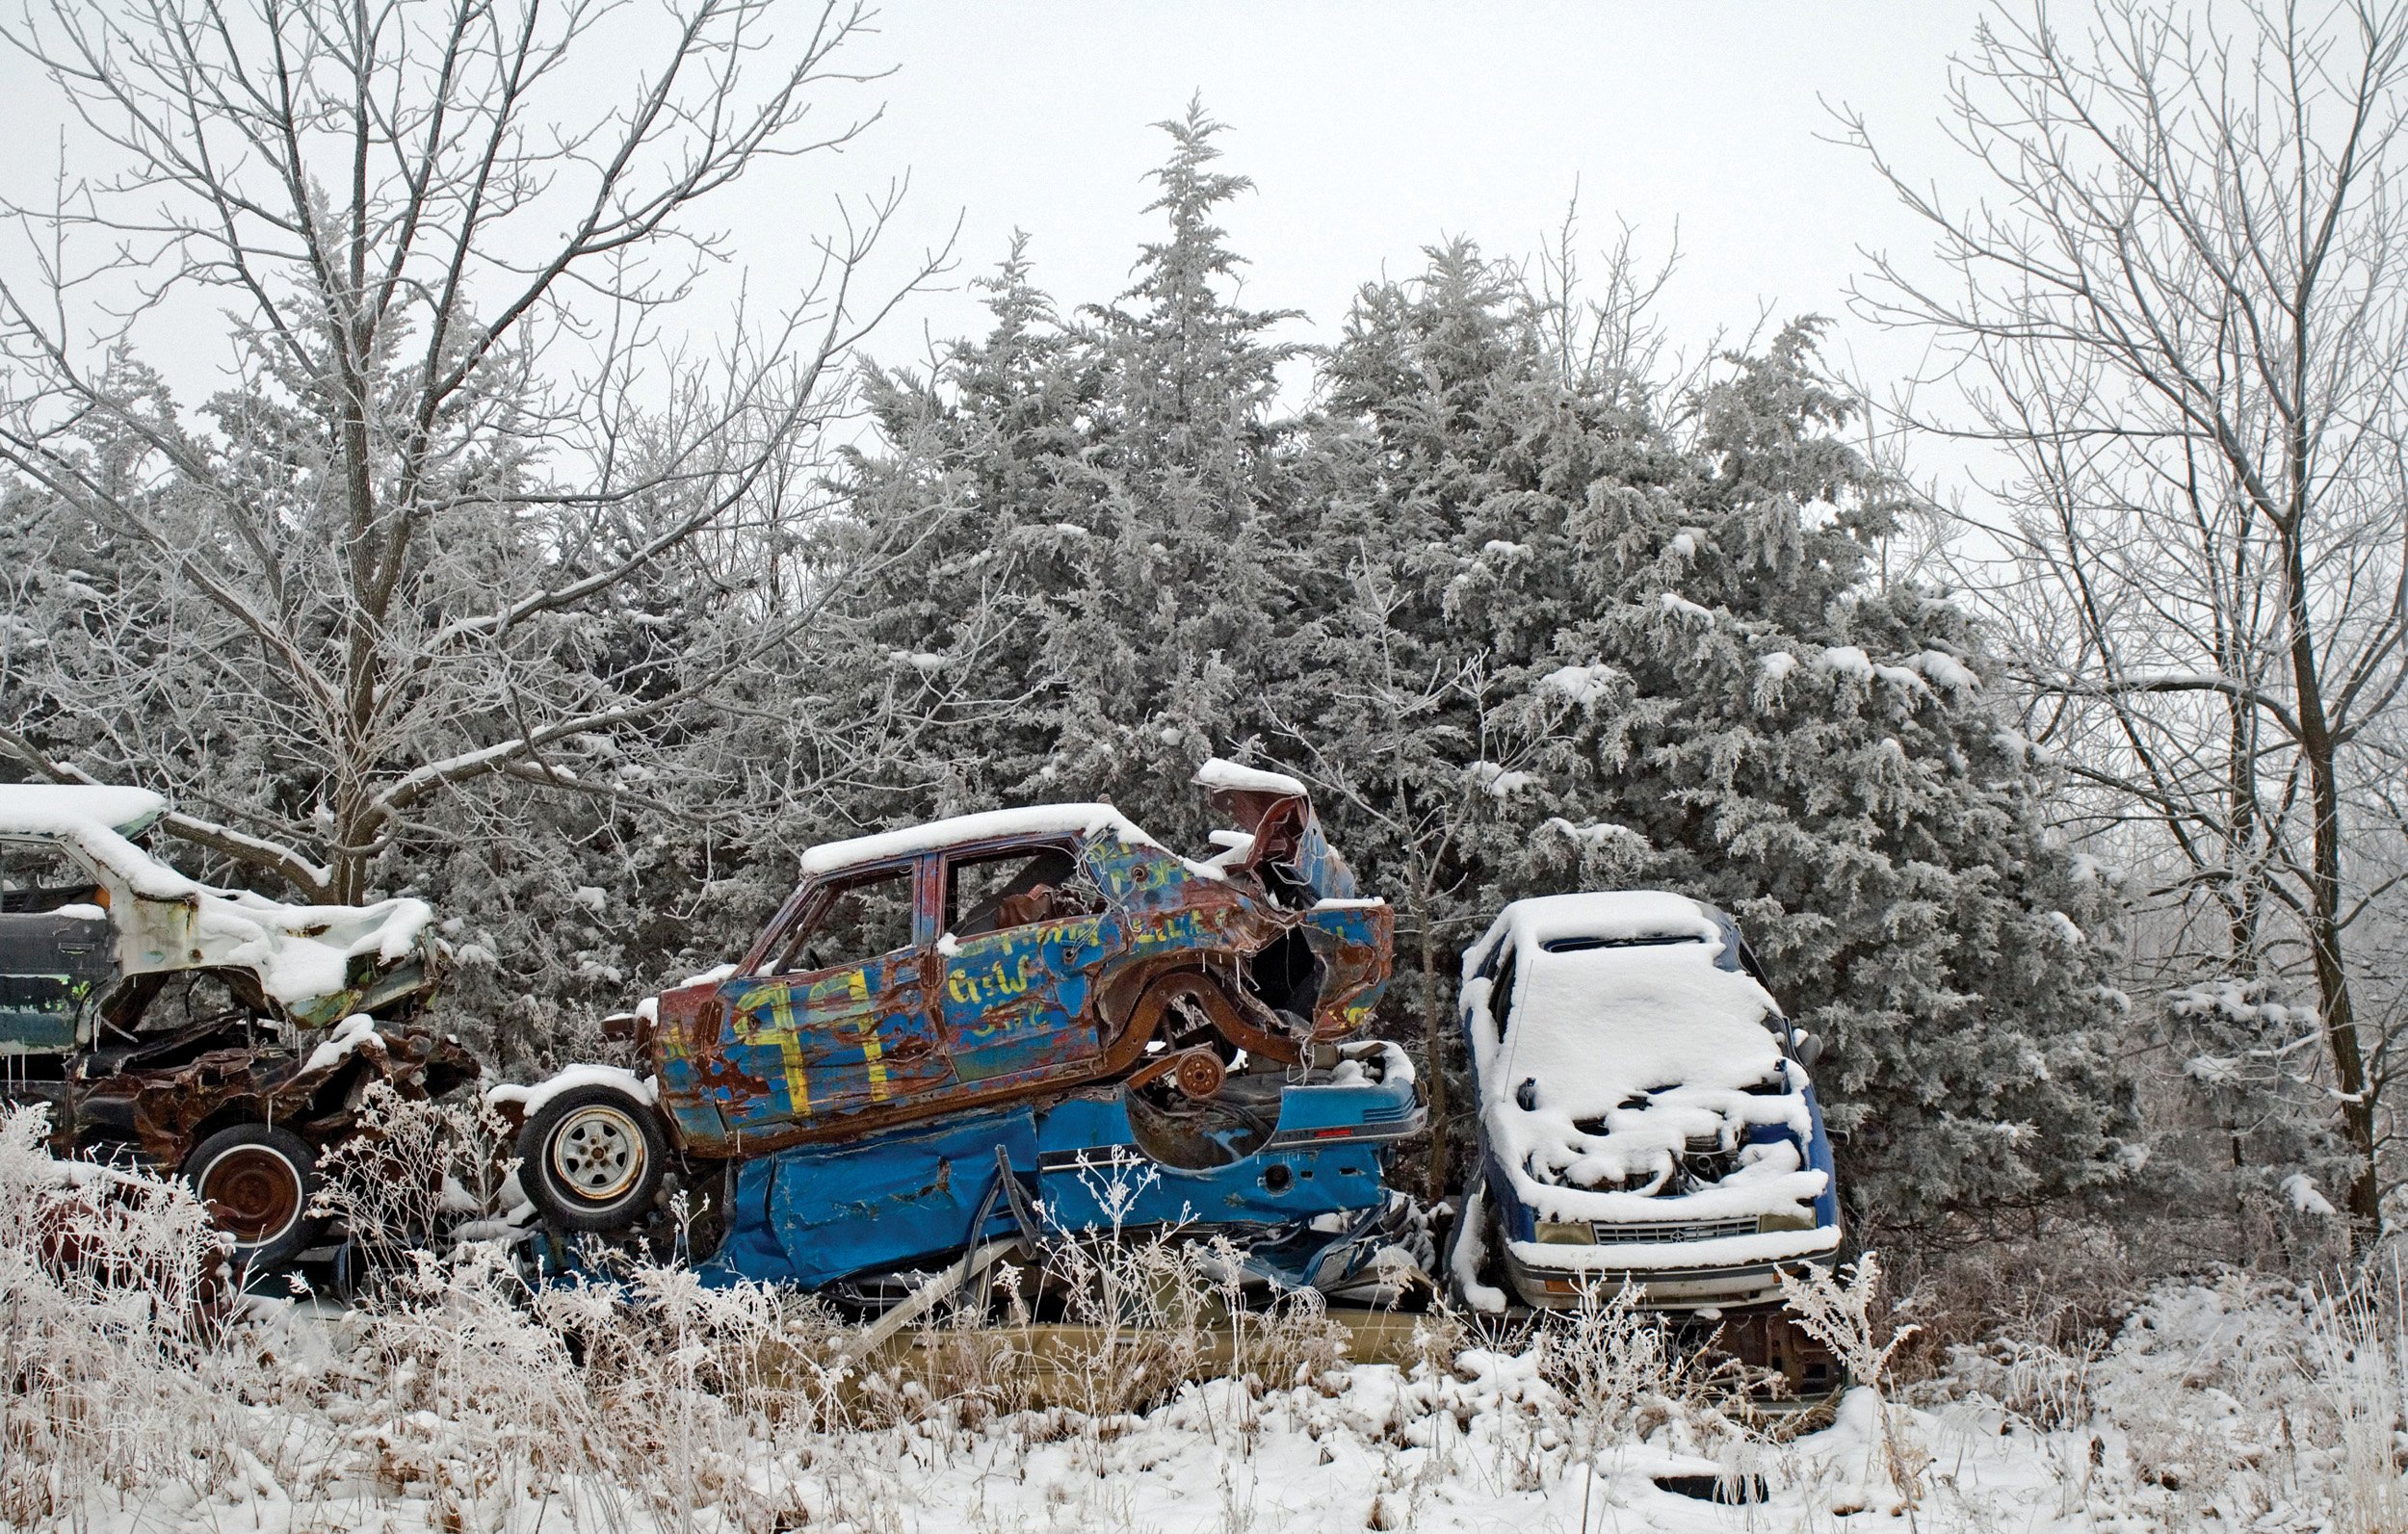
[[1036, 820], [1602, 916], [45, 809], [1229, 776]]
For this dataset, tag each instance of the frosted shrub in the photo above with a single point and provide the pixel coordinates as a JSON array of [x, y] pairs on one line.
[[1292, 1341], [413, 1171], [2358, 1356], [1146, 1305], [114, 1293], [466, 1392], [1622, 1375]]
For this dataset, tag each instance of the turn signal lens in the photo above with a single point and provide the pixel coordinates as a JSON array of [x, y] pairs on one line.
[[1566, 1232], [1796, 1220]]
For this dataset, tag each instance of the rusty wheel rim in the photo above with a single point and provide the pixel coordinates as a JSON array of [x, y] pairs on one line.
[[253, 1192], [597, 1152]]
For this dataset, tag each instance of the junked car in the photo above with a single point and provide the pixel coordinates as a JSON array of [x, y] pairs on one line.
[[212, 1031], [1646, 1121], [1050, 983]]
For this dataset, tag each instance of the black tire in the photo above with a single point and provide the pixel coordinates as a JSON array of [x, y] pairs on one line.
[[592, 1159], [258, 1181]]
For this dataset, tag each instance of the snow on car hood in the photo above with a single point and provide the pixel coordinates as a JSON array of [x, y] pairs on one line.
[[1637, 1055], [299, 952], [303, 951]]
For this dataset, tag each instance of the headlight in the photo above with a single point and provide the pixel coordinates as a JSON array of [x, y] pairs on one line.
[[1796, 1220], [1566, 1232]]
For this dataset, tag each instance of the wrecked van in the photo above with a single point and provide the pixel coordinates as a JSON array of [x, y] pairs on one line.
[[213, 1031], [1646, 1121], [1048, 983]]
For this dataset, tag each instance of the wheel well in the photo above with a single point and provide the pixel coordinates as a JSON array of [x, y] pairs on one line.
[[227, 1118]]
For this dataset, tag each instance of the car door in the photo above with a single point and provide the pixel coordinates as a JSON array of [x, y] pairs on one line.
[[58, 948], [1027, 933], [837, 1019]]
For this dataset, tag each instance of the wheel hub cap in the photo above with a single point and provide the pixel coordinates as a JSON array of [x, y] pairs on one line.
[[597, 1152]]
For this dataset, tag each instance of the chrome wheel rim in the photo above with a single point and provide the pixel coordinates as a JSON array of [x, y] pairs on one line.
[[597, 1153]]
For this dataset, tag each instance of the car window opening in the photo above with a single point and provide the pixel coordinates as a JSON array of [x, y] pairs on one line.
[[42, 876], [858, 921], [1021, 887]]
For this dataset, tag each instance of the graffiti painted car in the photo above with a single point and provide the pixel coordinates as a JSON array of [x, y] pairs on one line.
[[209, 1030], [960, 984], [1646, 1121]]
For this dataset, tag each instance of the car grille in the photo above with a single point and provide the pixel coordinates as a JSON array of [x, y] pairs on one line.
[[1619, 1234]]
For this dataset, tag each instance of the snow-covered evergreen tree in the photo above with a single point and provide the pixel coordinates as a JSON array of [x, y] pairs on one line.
[[1753, 720]]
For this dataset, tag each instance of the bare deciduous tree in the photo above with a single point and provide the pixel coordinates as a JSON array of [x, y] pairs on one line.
[[410, 544], [2180, 310]]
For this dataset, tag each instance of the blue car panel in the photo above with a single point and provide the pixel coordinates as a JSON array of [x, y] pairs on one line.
[[815, 1215]]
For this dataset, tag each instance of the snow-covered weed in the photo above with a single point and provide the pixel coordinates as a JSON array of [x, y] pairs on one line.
[[142, 1393], [1849, 1313], [415, 1173], [113, 1289], [1621, 1375], [2358, 1353]]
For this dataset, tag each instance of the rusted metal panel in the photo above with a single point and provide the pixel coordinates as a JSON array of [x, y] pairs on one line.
[[162, 1109]]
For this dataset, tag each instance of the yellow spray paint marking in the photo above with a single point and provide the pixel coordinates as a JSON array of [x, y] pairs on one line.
[[779, 1030], [871, 1058]]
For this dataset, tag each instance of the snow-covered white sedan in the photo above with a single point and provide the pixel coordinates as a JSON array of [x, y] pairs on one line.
[[1645, 1115]]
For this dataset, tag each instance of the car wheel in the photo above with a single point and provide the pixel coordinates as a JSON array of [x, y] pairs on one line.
[[257, 1180], [592, 1159]]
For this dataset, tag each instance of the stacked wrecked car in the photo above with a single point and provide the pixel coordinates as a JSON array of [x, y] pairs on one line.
[[948, 1027], [209, 1032]]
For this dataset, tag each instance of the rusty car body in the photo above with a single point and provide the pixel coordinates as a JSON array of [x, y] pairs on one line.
[[931, 998], [205, 1030]]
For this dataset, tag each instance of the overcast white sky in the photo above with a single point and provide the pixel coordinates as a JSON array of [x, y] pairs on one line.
[[1373, 129]]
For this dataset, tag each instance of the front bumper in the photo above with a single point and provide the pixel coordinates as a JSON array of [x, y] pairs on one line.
[[1695, 1274], [1659, 1288]]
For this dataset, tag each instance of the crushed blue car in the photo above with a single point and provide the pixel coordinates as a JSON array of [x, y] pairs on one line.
[[1290, 1167]]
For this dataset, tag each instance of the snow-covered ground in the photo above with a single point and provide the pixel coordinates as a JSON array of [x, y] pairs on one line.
[[1484, 1445], [463, 1401]]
